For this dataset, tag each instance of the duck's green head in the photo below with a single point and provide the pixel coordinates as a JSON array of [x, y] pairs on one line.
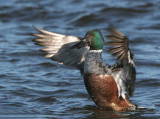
[[93, 39]]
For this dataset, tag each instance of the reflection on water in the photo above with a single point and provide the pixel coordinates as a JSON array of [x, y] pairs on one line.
[[34, 87]]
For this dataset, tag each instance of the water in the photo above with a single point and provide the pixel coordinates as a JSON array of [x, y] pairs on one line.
[[34, 87]]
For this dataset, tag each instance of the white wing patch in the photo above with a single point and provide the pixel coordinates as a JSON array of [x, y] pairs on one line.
[[119, 78], [129, 59]]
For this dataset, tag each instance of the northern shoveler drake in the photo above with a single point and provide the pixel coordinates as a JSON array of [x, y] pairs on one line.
[[108, 86]]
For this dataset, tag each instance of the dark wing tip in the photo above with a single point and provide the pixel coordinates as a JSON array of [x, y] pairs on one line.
[[34, 27]]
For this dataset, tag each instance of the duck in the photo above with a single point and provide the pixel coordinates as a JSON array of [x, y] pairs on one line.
[[109, 86]]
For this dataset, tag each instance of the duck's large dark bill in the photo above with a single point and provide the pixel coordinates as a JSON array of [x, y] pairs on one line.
[[78, 45]]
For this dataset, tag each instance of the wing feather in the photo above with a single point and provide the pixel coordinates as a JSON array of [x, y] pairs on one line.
[[120, 49], [58, 48], [119, 43]]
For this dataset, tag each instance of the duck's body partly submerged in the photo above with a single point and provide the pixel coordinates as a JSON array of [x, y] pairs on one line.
[[108, 86], [100, 81]]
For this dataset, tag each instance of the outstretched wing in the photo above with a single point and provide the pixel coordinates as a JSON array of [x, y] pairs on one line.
[[120, 44], [120, 49], [58, 48]]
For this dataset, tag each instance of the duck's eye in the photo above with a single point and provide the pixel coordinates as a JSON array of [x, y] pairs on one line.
[[92, 35]]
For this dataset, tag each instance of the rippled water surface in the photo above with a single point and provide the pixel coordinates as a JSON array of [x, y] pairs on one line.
[[34, 87]]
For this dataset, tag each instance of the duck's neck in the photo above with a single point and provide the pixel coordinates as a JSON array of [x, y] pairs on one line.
[[94, 63]]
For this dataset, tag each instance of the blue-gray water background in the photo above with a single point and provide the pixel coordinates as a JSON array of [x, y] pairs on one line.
[[34, 87]]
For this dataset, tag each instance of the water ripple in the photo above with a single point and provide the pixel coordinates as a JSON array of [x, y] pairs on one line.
[[34, 87]]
